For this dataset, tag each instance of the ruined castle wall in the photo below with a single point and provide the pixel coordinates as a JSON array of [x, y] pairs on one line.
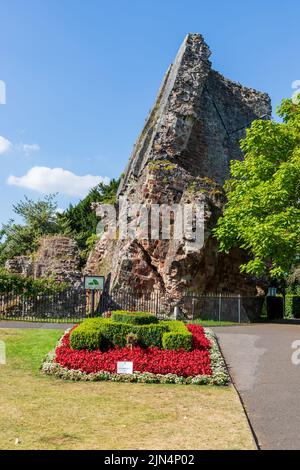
[[226, 109], [57, 258], [189, 139], [168, 126]]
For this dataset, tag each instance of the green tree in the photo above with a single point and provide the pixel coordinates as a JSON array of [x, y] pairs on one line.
[[263, 210], [39, 218], [80, 221]]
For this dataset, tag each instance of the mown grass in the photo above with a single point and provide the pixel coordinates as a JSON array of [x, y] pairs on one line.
[[211, 323], [41, 412]]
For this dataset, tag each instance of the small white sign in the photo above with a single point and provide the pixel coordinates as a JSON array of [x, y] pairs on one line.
[[125, 367]]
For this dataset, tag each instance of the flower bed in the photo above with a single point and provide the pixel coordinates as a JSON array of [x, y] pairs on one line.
[[202, 365], [200, 341], [154, 360]]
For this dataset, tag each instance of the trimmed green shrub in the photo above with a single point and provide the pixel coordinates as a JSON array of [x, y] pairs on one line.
[[177, 340], [175, 325], [88, 335], [120, 341], [94, 323], [86, 339], [150, 335], [111, 329], [179, 336], [102, 333], [292, 306], [134, 318]]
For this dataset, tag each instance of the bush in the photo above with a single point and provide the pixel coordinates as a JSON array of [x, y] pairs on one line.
[[88, 335], [120, 341], [134, 318], [103, 333], [84, 339], [27, 286], [132, 340], [111, 330], [177, 340], [150, 335], [178, 337], [292, 306], [175, 325]]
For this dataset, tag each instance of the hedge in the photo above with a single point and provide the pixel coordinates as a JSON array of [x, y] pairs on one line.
[[105, 333], [134, 318], [151, 335], [178, 336], [175, 325], [102, 333], [84, 338], [292, 306], [177, 340], [148, 335], [27, 286]]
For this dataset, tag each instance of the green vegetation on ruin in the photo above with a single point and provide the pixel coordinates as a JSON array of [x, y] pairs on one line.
[[165, 165]]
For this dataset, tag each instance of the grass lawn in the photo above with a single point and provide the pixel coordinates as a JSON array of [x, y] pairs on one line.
[[210, 323], [41, 412]]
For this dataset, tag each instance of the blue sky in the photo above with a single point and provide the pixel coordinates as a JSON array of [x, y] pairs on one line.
[[81, 77]]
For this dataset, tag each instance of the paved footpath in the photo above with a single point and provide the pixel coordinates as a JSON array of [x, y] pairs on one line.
[[259, 360], [39, 325]]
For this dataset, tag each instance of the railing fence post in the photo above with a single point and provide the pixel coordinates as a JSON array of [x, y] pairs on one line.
[[220, 306], [193, 307]]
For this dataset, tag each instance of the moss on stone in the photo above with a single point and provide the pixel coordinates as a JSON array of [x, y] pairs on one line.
[[165, 165]]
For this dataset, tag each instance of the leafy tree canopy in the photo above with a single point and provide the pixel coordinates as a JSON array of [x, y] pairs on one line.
[[263, 210], [39, 218], [80, 221]]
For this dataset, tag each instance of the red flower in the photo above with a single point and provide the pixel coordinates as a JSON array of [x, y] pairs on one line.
[[199, 339]]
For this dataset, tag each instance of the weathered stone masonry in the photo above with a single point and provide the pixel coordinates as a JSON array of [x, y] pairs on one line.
[[57, 258], [182, 155]]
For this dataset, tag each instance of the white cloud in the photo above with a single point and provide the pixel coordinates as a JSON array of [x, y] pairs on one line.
[[5, 145], [60, 210], [51, 180], [29, 148]]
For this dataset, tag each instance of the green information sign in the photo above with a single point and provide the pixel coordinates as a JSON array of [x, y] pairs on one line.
[[94, 282]]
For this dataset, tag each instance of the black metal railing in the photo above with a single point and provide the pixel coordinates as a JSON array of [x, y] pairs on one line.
[[152, 302], [73, 305], [68, 305], [221, 307]]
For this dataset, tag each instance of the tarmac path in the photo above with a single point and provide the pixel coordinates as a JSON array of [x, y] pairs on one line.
[[259, 358]]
